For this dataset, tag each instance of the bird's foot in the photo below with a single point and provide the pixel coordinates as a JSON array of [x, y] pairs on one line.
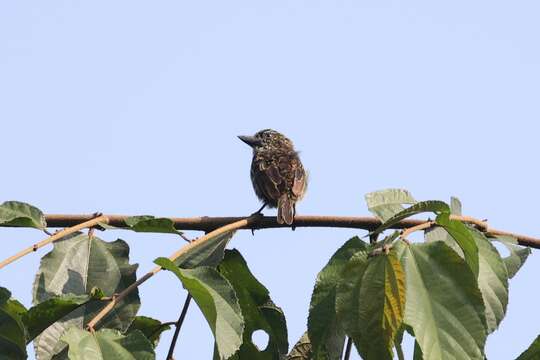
[[256, 217]]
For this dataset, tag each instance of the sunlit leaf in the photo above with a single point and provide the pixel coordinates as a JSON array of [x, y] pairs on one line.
[[386, 203], [78, 265], [518, 254], [15, 213], [444, 306], [326, 336], [371, 302], [107, 344], [218, 302], [492, 281], [258, 310], [12, 330]]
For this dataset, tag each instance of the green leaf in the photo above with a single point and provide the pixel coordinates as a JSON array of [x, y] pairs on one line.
[[150, 328], [44, 314], [148, 223], [463, 237], [518, 254], [218, 302], [386, 203], [371, 302], [258, 310], [12, 331], [107, 344], [492, 281], [326, 335], [78, 265], [301, 350], [15, 213], [209, 253], [444, 306], [533, 352], [434, 206], [455, 206]]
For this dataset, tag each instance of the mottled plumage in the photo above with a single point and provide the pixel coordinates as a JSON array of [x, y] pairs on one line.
[[277, 173]]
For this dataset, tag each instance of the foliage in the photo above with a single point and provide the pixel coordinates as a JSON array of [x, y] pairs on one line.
[[449, 292]]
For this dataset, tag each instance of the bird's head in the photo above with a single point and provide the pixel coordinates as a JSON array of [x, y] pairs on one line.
[[267, 139]]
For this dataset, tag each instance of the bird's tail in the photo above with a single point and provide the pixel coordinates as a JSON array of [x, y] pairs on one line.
[[285, 208]]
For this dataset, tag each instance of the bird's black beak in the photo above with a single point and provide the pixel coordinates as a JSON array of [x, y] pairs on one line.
[[250, 140]]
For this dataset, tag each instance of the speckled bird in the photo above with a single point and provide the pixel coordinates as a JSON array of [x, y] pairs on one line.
[[277, 174]]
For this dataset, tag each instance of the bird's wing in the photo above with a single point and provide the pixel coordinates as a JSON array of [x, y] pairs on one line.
[[268, 179], [273, 174]]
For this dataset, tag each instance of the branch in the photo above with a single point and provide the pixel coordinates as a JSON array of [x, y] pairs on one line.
[[88, 223], [244, 222], [348, 349], [207, 224], [178, 325]]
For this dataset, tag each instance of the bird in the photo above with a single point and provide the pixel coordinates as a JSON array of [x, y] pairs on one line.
[[277, 174]]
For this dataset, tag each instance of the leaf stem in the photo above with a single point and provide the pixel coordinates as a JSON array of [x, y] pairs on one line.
[[178, 325], [399, 351]]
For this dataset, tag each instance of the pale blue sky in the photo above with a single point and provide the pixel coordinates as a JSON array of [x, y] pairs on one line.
[[133, 107]]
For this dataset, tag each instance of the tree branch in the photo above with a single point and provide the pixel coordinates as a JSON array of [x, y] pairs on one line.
[[88, 223], [207, 224], [348, 348]]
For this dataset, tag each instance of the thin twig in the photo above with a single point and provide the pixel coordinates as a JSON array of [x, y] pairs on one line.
[[222, 230], [367, 223], [56, 236], [348, 348], [419, 227], [178, 327]]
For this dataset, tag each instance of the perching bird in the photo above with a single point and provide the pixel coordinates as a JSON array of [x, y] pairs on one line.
[[277, 174]]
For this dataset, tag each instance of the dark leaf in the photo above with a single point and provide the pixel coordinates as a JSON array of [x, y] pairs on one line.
[[218, 302], [151, 328], [258, 310], [43, 315], [326, 336], [533, 352], [12, 331], [148, 223]]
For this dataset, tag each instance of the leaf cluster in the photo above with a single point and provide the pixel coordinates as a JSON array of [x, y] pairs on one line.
[[448, 291]]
